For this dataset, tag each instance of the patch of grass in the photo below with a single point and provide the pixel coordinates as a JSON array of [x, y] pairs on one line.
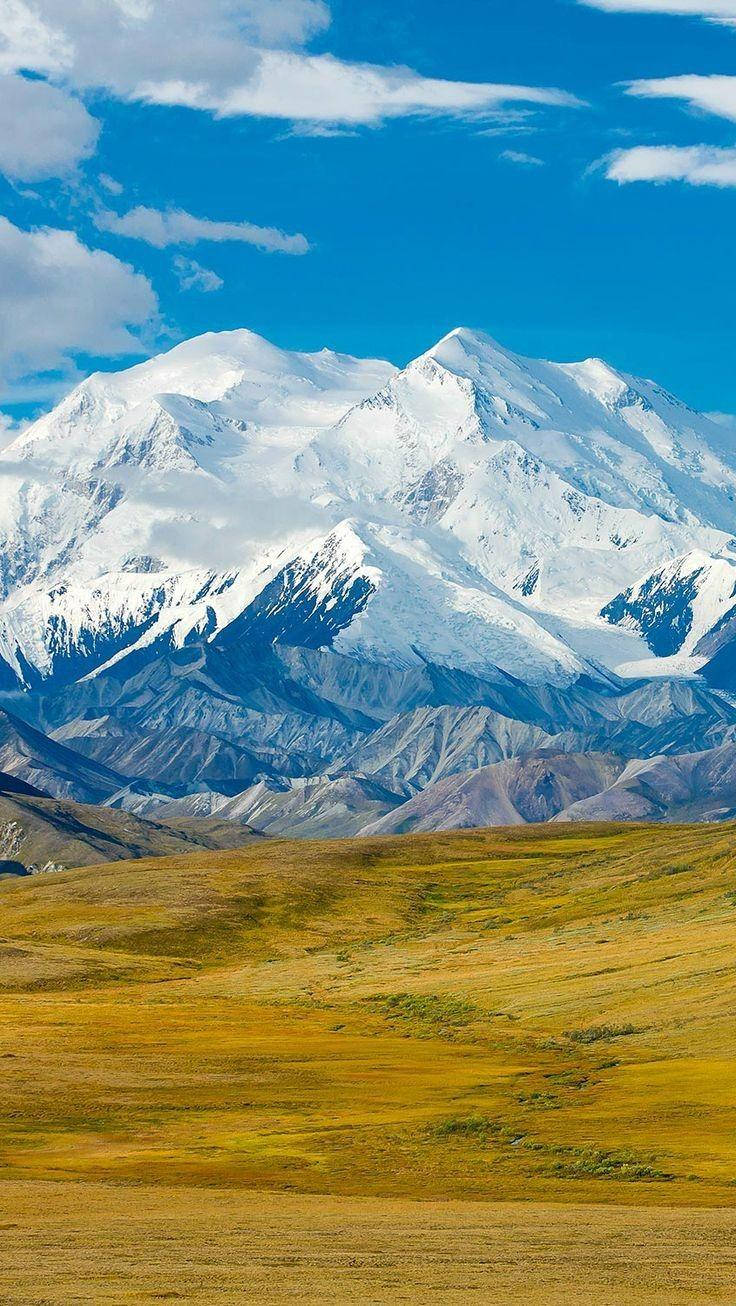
[[539, 1101], [591, 1163], [428, 1013], [565, 1162], [479, 1128], [601, 1033], [674, 868], [570, 1079]]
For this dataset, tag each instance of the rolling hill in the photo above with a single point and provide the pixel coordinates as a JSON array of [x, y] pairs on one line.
[[39, 833]]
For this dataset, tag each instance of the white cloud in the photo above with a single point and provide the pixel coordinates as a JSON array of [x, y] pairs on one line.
[[175, 227], [325, 131], [320, 88], [192, 276], [714, 93], [275, 22], [28, 39], [700, 165], [61, 298], [109, 184], [714, 11], [521, 158], [9, 430], [230, 58], [44, 132]]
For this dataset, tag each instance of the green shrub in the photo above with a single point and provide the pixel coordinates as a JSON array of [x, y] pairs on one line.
[[601, 1033]]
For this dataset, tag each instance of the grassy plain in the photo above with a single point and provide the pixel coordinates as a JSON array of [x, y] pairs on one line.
[[539, 1016]]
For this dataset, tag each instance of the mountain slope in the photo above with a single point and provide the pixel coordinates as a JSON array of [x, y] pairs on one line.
[[417, 748], [320, 808], [695, 787], [676, 607], [41, 762], [521, 791], [47, 834]]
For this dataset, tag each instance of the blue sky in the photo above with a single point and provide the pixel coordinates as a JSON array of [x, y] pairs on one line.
[[414, 166]]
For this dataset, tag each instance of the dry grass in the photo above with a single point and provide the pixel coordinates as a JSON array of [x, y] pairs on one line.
[[67, 1243], [542, 1015]]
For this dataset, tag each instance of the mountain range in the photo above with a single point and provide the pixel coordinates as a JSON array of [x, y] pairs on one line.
[[316, 594]]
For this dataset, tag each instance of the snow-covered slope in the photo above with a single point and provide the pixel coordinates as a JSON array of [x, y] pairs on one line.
[[476, 510], [557, 479]]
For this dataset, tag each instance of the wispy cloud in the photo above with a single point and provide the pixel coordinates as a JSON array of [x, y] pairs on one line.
[[320, 88], [724, 419], [109, 184], [9, 430], [318, 131], [714, 11], [523, 160], [700, 165], [162, 228], [192, 276]]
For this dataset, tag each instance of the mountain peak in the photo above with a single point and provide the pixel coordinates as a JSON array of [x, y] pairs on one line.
[[599, 379], [469, 340]]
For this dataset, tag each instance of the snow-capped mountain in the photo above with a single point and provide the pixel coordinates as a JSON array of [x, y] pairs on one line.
[[476, 509], [234, 566]]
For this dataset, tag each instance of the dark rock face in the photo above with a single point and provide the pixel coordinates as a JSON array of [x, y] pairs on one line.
[[661, 610], [294, 610]]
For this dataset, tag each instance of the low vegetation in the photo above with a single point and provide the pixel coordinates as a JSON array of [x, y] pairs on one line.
[[601, 1033], [537, 1013]]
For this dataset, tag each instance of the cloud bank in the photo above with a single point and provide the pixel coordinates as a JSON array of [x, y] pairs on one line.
[[714, 11], [229, 59]]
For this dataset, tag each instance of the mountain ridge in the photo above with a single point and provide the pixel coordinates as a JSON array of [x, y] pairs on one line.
[[235, 565], [456, 444]]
